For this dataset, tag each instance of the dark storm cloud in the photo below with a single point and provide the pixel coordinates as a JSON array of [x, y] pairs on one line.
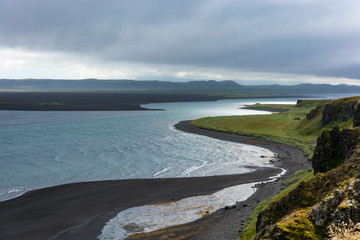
[[301, 36]]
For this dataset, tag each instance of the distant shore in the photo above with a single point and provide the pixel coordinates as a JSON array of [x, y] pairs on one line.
[[91, 101], [80, 210], [99, 100]]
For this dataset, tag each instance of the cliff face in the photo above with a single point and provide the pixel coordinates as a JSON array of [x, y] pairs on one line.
[[356, 119], [339, 110], [333, 147]]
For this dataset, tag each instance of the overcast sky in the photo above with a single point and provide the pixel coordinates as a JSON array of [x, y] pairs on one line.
[[251, 41]]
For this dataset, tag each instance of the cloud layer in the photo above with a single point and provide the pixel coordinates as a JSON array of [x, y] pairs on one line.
[[317, 37]]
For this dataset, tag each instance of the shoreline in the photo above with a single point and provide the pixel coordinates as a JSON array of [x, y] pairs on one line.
[[274, 110], [227, 224], [104, 100], [80, 210]]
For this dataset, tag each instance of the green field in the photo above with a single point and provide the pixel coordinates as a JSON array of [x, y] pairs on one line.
[[290, 126]]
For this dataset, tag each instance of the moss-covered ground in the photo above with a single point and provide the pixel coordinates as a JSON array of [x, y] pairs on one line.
[[297, 226], [249, 230]]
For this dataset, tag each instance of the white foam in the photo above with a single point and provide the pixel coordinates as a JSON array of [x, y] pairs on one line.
[[160, 172], [149, 218], [13, 192], [283, 171], [187, 172]]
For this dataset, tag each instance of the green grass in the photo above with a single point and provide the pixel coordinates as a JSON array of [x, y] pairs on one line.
[[290, 127], [49, 104], [249, 230], [271, 107], [5, 103], [284, 127], [297, 176]]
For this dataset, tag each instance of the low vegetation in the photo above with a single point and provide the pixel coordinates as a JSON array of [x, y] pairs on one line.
[[349, 231], [294, 126], [49, 104], [249, 230], [308, 204], [270, 107]]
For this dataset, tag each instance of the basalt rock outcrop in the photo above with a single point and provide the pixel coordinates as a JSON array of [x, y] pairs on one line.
[[335, 111], [333, 147], [356, 119], [314, 112], [308, 210]]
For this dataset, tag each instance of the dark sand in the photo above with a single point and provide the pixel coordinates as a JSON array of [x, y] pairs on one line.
[[226, 224], [80, 210]]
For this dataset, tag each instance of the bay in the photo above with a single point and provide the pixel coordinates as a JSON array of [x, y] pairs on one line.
[[40, 149]]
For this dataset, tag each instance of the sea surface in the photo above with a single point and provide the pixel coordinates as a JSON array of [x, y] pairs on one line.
[[39, 149]]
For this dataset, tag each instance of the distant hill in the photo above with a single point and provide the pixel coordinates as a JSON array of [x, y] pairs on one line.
[[209, 86], [95, 84]]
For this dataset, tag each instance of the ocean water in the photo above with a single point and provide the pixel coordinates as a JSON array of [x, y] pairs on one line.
[[39, 149]]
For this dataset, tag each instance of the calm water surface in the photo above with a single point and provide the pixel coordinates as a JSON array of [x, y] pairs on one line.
[[48, 148]]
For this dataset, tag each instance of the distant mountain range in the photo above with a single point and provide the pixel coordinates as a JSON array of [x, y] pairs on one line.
[[167, 86], [95, 84]]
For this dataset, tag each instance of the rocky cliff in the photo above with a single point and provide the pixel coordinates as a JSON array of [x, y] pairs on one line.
[[333, 147], [332, 196], [339, 110], [308, 210]]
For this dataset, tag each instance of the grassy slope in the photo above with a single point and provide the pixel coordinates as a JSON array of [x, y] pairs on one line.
[[270, 107], [249, 230], [282, 127]]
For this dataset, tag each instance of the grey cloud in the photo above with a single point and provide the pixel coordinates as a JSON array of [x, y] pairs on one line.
[[299, 36]]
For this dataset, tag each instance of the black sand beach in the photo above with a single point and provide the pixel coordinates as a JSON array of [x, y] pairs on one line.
[[227, 224], [80, 210]]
